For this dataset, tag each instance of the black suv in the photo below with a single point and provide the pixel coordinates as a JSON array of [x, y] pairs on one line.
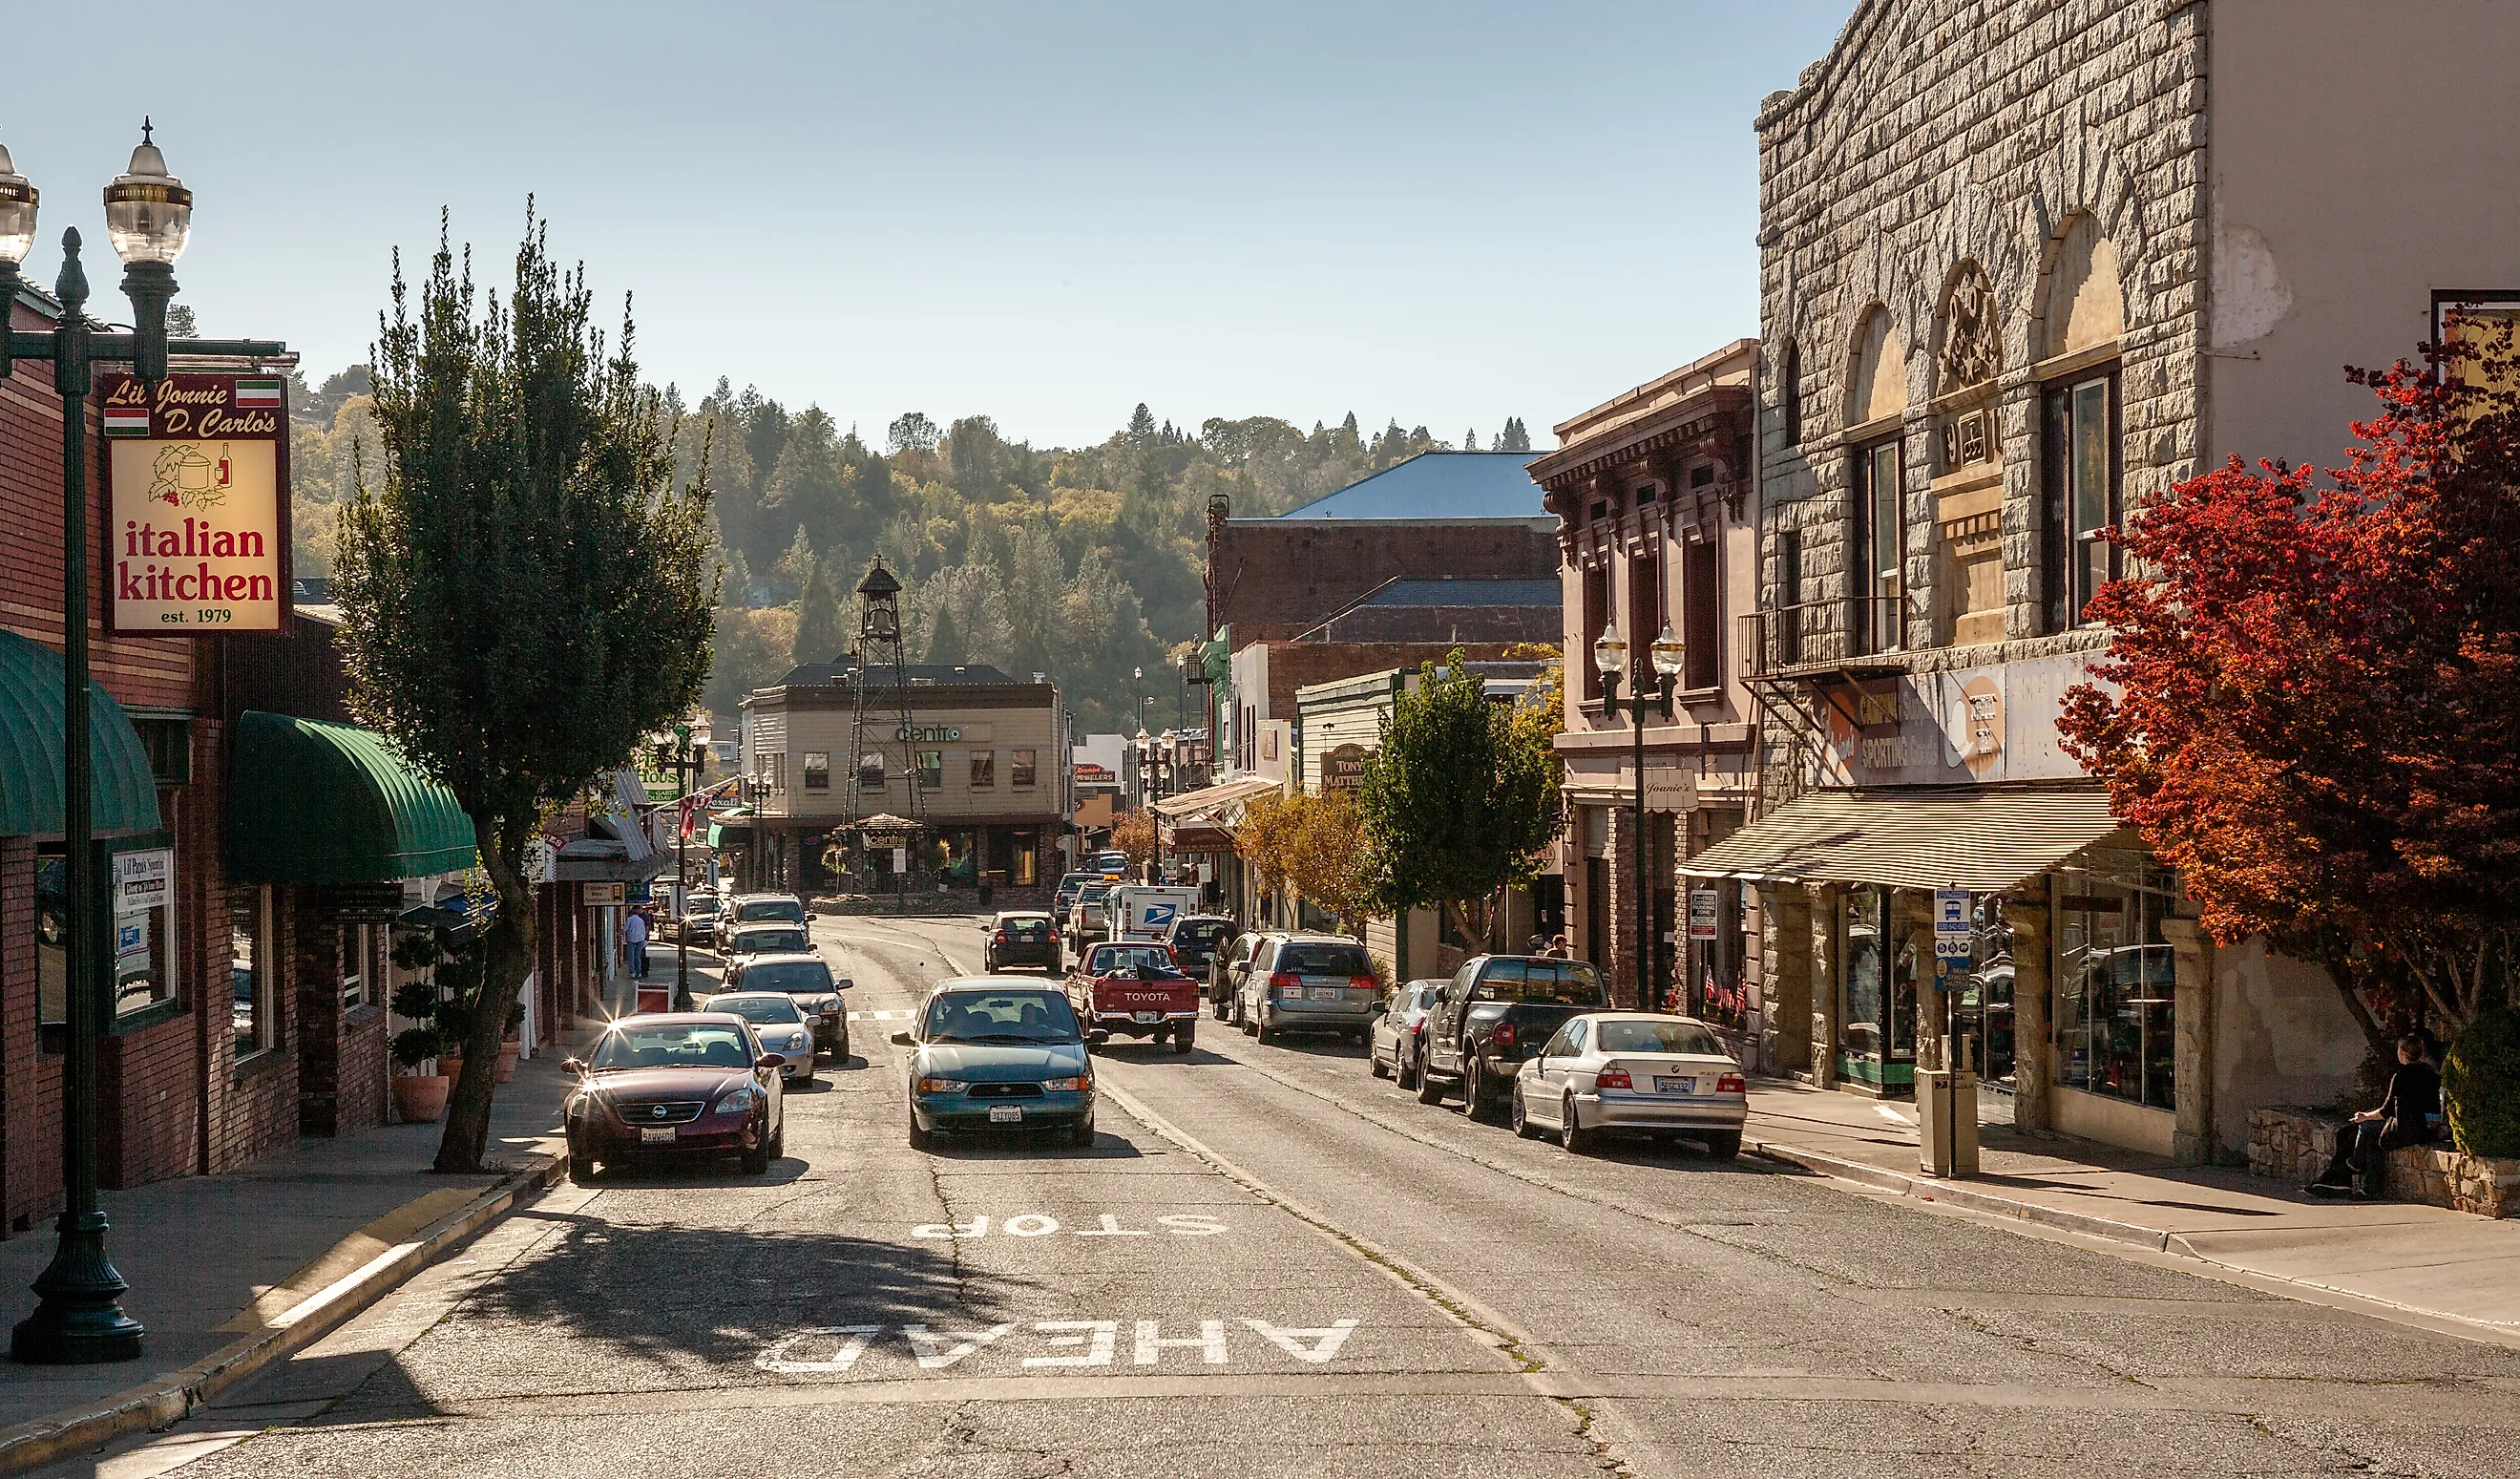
[[1195, 940], [1496, 1011]]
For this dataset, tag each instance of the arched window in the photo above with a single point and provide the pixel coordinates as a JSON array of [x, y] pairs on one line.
[[1880, 384], [2078, 422], [2084, 306]]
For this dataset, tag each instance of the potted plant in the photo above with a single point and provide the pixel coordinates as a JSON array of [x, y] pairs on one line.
[[419, 1098], [509, 1048]]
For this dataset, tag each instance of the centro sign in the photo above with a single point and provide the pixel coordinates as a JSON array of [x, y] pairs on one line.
[[926, 734]]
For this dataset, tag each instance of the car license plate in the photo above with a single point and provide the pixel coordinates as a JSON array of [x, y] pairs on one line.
[[1148, 1016], [655, 1134], [1326, 992], [1675, 1085], [1005, 1114]]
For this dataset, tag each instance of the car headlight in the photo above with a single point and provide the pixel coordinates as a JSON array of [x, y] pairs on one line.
[[942, 1086], [1078, 1083], [797, 1039], [738, 1102]]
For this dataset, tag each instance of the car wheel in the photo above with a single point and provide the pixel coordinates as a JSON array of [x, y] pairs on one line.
[[581, 1168], [1724, 1146], [756, 1161], [1183, 1037], [1217, 1006], [1570, 1135], [1374, 1061], [1521, 1116], [779, 1139], [840, 1055], [1430, 1089], [920, 1138], [1082, 1136], [1474, 1089], [1404, 1069], [1265, 1032]]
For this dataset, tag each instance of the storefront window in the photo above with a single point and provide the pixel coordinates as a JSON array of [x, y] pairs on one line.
[[1877, 1036], [2114, 996], [1027, 869], [249, 970], [932, 770], [144, 928], [1982, 1010], [985, 769], [818, 769], [354, 966], [1019, 767]]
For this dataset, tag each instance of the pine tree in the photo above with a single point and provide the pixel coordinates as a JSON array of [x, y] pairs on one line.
[[822, 630], [1470, 440], [946, 645], [1517, 440], [735, 586]]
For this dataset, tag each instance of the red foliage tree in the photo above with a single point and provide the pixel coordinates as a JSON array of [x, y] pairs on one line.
[[2309, 705]]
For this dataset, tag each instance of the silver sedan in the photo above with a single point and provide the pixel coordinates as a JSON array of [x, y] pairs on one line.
[[779, 1023], [1396, 1045], [1633, 1071]]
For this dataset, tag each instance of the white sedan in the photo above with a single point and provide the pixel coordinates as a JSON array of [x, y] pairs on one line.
[[1633, 1071], [779, 1023]]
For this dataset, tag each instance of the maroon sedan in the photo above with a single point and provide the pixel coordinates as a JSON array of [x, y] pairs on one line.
[[675, 1086]]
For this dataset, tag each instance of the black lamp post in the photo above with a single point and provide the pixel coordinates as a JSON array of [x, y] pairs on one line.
[[679, 759], [1610, 658], [148, 215]]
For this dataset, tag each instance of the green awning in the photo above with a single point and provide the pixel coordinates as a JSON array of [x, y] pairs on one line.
[[315, 803], [31, 716], [730, 826]]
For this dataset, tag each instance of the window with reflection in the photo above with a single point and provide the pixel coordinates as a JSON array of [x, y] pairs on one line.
[[1876, 1034], [255, 1007], [2115, 998]]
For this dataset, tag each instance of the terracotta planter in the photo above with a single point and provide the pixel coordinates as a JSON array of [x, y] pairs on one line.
[[420, 1098], [508, 1056], [452, 1067]]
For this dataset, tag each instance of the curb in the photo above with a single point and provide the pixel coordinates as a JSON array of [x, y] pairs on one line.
[[175, 1395], [1926, 1188]]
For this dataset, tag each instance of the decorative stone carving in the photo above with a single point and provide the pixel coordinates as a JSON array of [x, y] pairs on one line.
[[1971, 340]]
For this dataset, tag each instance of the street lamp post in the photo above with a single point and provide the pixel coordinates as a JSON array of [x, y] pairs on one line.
[[148, 215], [678, 757], [1610, 658]]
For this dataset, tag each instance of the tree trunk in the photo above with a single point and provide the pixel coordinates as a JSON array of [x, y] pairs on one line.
[[509, 946], [2341, 971]]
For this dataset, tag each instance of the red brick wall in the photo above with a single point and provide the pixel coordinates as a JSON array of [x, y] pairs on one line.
[[31, 1084], [1275, 579], [360, 1095], [148, 1103]]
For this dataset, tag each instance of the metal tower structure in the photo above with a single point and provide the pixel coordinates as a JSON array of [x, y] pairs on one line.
[[882, 721]]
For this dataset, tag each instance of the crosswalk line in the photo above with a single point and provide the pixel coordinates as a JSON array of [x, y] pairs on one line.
[[904, 1014]]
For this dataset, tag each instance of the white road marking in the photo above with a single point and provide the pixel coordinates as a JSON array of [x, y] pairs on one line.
[[1038, 1224], [1325, 1343], [1112, 1229], [934, 1355], [845, 1356], [1892, 1115], [1066, 1344], [903, 1015], [1095, 1335], [1031, 1225], [1209, 1342]]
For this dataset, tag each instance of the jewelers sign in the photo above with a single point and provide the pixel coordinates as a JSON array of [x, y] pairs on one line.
[[199, 474]]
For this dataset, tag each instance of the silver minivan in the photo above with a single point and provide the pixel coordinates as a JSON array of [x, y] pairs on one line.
[[1308, 984]]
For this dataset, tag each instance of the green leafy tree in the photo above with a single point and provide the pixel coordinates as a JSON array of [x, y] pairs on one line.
[[822, 630], [1457, 802], [526, 591], [793, 568]]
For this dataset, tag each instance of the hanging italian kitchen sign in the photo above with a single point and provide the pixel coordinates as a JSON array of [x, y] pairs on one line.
[[198, 473]]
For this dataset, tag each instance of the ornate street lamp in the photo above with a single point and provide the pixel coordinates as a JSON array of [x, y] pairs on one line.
[[149, 214], [1610, 658], [678, 757]]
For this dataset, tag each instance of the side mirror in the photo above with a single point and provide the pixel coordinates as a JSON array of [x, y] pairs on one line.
[[1097, 1038], [571, 1066], [770, 1060], [901, 1040], [843, 984]]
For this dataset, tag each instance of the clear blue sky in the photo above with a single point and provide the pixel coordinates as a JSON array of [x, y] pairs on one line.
[[1445, 213]]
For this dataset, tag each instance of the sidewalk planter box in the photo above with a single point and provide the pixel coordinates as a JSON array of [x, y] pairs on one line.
[[2296, 1144], [420, 1098]]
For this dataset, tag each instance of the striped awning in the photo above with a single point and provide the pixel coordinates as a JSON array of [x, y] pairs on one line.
[[1986, 839], [1204, 801]]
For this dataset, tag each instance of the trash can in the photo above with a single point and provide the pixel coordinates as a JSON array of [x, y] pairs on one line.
[[1947, 1110], [988, 893]]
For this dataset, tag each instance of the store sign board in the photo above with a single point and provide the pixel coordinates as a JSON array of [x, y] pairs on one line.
[[1343, 768], [1954, 726], [1704, 909], [144, 880], [602, 895], [197, 472]]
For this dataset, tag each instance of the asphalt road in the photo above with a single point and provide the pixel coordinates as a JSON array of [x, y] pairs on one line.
[[1273, 1264]]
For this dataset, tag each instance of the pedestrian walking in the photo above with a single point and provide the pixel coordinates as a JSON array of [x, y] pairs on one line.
[[634, 934], [2404, 1117]]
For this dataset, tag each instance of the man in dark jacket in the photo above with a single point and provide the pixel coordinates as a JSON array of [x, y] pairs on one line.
[[2404, 1118]]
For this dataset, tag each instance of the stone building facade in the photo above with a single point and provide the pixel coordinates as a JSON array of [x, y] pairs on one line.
[[2024, 265]]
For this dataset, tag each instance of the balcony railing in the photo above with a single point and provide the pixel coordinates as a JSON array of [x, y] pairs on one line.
[[1820, 633]]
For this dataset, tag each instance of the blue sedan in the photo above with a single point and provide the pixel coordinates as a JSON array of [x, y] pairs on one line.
[[999, 1053]]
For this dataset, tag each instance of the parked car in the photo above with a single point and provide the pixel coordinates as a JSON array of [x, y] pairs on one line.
[[1308, 984], [778, 1022], [1070, 886], [1395, 1047], [999, 1052], [1087, 920], [1495, 1011], [1028, 937], [1134, 988], [697, 923], [807, 980], [1196, 938], [1226, 970], [1111, 862], [675, 1087], [753, 908], [776, 937], [1632, 1071]]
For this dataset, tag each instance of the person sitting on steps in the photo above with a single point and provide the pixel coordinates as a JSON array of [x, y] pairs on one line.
[[2404, 1117]]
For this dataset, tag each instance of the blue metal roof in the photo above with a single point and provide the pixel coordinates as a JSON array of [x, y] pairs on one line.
[[1438, 486], [1473, 592]]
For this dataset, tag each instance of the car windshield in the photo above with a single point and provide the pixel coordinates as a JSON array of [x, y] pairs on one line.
[[1025, 924], [1095, 893], [1306, 959], [1655, 1037], [1001, 1017], [1557, 982], [1107, 959], [760, 1011], [769, 908], [1201, 931], [761, 942], [703, 904], [673, 1045], [789, 976]]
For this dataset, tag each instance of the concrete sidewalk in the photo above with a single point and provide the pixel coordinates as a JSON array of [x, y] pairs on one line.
[[2429, 1260], [213, 1258]]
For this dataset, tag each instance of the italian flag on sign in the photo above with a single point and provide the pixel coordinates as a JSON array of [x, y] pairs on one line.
[[252, 393], [127, 421]]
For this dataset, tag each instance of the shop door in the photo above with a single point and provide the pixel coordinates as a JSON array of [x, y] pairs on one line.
[[1878, 1033], [1596, 909]]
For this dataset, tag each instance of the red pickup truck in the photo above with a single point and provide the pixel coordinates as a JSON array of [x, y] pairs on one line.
[[1136, 991]]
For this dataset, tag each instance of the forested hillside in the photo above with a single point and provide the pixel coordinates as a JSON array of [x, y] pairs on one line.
[[1082, 563]]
